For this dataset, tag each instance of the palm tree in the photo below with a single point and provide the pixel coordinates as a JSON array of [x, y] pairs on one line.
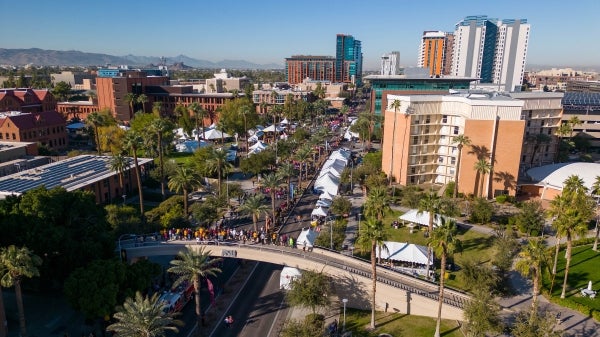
[[573, 208], [573, 122], [183, 180], [444, 240], [142, 99], [286, 170], [432, 204], [396, 105], [159, 126], [130, 99], [371, 236], [157, 108], [482, 167], [96, 120], [460, 141], [377, 203], [18, 263], [254, 206], [132, 141], [217, 163], [532, 258], [596, 194], [192, 265], [302, 156], [144, 317], [3, 328], [271, 181], [199, 117], [119, 163]]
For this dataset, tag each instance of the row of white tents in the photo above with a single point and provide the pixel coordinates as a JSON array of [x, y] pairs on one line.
[[328, 180]]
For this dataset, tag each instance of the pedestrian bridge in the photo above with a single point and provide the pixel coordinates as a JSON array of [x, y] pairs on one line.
[[351, 277]]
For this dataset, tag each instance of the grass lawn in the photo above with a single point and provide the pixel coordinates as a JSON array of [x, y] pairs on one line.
[[395, 324], [476, 246], [180, 157], [584, 268]]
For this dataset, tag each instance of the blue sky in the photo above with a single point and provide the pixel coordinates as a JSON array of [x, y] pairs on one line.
[[563, 33]]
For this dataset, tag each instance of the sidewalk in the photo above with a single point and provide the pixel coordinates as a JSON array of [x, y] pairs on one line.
[[330, 313]]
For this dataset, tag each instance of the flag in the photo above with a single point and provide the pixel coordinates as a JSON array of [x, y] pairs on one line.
[[211, 291]]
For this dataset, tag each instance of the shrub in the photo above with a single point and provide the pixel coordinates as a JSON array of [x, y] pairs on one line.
[[501, 198]]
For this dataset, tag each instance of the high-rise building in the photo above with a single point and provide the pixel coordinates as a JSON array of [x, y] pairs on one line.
[[348, 60], [300, 67], [435, 52], [492, 50], [390, 63]]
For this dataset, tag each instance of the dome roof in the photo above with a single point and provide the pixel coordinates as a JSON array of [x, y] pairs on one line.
[[555, 175]]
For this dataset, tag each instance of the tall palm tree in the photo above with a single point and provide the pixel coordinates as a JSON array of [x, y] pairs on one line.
[[157, 108], [217, 163], [144, 317], [192, 265], [271, 181], [286, 171], [142, 99], [482, 167], [302, 156], [444, 240], [119, 163], [96, 120], [377, 203], [572, 209], [395, 105], [460, 141], [596, 194], [183, 180], [18, 263], [254, 205], [531, 260], [196, 108], [132, 141], [130, 99], [158, 127], [3, 328], [432, 204], [372, 235]]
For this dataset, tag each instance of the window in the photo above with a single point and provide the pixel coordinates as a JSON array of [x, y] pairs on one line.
[[441, 160], [14, 137], [444, 118], [456, 130]]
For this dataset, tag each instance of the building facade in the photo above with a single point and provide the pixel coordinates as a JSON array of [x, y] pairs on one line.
[[390, 63], [348, 60], [26, 100], [585, 106], [435, 52], [418, 145], [45, 128], [492, 50], [300, 67]]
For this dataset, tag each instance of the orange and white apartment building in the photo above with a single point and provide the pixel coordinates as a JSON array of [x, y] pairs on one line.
[[418, 143]]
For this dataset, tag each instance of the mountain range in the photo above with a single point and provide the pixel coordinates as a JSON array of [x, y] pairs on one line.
[[43, 57]]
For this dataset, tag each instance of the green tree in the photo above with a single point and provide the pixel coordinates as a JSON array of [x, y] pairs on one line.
[[132, 141], [159, 127], [444, 239], [96, 120], [372, 235], [531, 260], [142, 99], [340, 205], [62, 90], [119, 163], [311, 290], [460, 141], [432, 204], [541, 324], [531, 217], [482, 167], [272, 182], [183, 180], [123, 219], [18, 263], [377, 203], [596, 194], [303, 155], [481, 211], [217, 163], [286, 171], [199, 113], [144, 317], [254, 206], [482, 313], [192, 265], [130, 99]]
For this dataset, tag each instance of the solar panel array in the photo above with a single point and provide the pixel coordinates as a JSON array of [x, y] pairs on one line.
[[581, 98]]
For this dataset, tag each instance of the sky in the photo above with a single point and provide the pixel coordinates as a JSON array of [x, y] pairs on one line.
[[563, 33]]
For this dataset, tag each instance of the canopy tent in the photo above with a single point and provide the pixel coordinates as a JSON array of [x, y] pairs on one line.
[[341, 155], [328, 183], [323, 203], [273, 128], [326, 196], [288, 275], [420, 218], [212, 126], [190, 146], [284, 122], [349, 135], [215, 134], [258, 146], [405, 252], [75, 126], [319, 211], [336, 164], [332, 171], [307, 236]]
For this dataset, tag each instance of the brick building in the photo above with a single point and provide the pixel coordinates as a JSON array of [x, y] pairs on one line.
[[45, 128], [318, 68], [26, 100], [77, 109]]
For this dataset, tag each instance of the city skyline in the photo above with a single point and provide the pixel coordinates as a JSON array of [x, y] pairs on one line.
[[269, 31]]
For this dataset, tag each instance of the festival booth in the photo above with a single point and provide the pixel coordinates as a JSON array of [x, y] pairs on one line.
[[214, 134], [258, 147], [190, 146], [405, 257], [420, 218], [326, 196], [288, 275], [307, 238], [273, 128]]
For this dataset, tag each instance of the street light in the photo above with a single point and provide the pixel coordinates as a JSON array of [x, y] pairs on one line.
[[345, 300]]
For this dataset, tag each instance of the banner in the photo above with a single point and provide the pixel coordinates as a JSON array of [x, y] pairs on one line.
[[211, 291]]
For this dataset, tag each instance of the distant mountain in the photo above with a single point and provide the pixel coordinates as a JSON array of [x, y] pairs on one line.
[[43, 57]]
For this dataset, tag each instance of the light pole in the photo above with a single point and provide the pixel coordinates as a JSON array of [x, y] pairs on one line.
[[351, 170], [344, 300], [330, 233]]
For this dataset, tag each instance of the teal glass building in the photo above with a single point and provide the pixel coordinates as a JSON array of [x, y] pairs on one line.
[[348, 60]]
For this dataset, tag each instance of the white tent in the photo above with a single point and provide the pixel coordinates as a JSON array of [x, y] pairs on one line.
[[190, 146], [307, 236], [288, 274], [319, 211], [284, 122], [404, 251], [326, 196], [273, 128], [323, 203], [215, 134], [258, 146], [336, 164], [328, 183], [332, 171], [420, 218]]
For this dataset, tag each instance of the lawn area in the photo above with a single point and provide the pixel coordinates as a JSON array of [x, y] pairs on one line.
[[584, 268], [476, 246], [180, 157], [395, 324]]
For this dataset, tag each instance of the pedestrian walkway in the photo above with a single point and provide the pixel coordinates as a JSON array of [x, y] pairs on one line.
[[330, 313]]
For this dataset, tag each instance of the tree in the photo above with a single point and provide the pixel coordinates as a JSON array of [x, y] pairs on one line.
[[538, 139], [372, 235], [340, 205], [482, 167], [3, 327], [119, 163], [199, 118], [540, 324], [572, 210], [183, 180], [302, 156], [18, 263], [311, 290], [481, 211], [192, 266], [130, 99], [142, 99], [377, 204], [432, 204], [132, 141], [144, 317], [460, 141], [531, 217], [254, 206], [159, 127], [596, 194], [444, 240], [96, 120], [531, 259], [482, 313], [217, 163], [271, 182], [62, 90]]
